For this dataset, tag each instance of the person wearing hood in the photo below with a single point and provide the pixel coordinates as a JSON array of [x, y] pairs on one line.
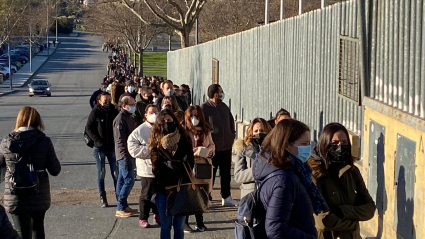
[[28, 212], [341, 185], [99, 128], [290, 197], [139, 149], [171, 154], [123, 125], [143, 98], [200, 133], [246, 152]]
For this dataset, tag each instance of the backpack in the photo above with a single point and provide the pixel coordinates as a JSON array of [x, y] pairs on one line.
[[23, 178], [251, 213]]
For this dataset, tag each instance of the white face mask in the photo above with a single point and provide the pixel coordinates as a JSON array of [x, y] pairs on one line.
[[151, 118], [194, 120], [168, 92]]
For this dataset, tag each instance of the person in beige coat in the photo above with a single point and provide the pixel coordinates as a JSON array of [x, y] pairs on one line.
[[246, 151], [203, 150]]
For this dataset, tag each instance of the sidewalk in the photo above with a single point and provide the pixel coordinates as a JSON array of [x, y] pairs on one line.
[[23, 75]]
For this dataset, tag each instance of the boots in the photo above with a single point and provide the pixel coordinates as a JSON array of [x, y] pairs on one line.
[[103, 200]]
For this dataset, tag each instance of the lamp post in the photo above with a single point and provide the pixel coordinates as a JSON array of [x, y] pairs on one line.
[[47, 26], [56, 40], [267, 12], [8, 52], [282, 16]]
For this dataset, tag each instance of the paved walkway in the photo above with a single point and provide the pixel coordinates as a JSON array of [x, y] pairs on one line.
[[24, 74]]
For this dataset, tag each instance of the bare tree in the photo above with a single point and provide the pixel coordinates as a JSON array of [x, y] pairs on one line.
[[178, 14], [112, 19], [11, 13]]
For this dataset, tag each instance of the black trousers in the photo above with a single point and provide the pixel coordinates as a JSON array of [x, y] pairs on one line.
[[199, 219], [30, 225], [223, 160], [145, 204]]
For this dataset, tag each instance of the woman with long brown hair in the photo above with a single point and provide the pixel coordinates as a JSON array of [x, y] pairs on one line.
[[28, 145], [171, 150], [341, 185], [200, 133], [287, 192], [246, 152]]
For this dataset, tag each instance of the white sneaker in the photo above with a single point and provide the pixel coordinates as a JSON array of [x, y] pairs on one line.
[[229, 201]]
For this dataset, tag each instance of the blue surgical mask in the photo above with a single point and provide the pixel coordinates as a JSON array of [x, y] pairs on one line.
[[304, 152], [222, 96], [131, 89], [132, 109]]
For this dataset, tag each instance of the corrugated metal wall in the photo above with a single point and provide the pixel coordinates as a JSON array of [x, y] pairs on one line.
[[293, 64]]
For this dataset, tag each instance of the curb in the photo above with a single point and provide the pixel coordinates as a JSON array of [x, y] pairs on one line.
[[32, 76]]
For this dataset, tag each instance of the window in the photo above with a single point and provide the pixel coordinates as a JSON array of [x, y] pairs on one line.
[[349, 76]]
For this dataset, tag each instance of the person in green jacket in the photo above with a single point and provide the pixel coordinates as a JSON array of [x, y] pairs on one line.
[[341, 185]]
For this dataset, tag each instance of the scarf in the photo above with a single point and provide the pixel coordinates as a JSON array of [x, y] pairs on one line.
[[304, 172], [169, 142]]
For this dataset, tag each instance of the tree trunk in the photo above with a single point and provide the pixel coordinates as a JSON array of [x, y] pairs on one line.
[[184, 38], [141, 63]]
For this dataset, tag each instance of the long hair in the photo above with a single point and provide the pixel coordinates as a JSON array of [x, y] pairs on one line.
[[249, 132], [173, 102], [202, 123], [29, 116], [276, 142], [325, 140], [157, 130]]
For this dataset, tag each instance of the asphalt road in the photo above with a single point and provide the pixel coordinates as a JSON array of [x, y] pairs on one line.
[[75, 71]]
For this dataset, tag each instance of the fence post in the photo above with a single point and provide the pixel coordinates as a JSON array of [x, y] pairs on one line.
[[267, 12], [301, 7]]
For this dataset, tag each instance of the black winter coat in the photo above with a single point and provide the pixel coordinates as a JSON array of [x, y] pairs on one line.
[[165, 176], [99, 126], [44, 158], [289, 212], [347, 197]]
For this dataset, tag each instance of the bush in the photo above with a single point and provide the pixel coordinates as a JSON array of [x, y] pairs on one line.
[[65, 25]]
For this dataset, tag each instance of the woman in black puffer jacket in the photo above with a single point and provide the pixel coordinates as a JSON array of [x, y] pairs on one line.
[[29, 211]]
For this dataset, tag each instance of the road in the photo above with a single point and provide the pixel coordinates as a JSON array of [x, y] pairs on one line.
[[75, 71]]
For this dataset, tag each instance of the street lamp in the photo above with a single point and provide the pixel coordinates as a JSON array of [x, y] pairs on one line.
[[8, 52], [56, 40], [47, 26]]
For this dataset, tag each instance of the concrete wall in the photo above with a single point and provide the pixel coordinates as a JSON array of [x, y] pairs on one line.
[[397, 124]]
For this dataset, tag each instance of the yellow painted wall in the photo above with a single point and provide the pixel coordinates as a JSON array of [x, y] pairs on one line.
[[394, 126]]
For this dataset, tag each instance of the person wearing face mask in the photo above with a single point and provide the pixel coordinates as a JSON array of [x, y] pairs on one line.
[[168, 90], [123, 125], [99, 128], [288, 194], [223, 124], [139, 149], [200, 133], [246, 152], [93, 98], [130, 90], [170, 103], [143, 99], [171, 150], [341, 185]]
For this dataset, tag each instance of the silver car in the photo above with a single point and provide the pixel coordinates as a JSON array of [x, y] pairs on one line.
[[39, 87]]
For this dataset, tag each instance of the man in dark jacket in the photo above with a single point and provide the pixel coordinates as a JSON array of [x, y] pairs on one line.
[[93, 98], [145, 98], [99, 128], [123, 126], [168, 90], [130, 90], [221, 121]]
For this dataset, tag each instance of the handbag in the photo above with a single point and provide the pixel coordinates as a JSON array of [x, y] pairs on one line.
[[189, 198], [89, 142]]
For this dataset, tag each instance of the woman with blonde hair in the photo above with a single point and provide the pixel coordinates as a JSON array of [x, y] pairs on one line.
[[246, 151], [202, 142], [27, 147]]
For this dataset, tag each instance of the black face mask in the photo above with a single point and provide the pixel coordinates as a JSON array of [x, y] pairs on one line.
[[169, 128], [150, 98], [339, 153], [258, 138], [106, 105]]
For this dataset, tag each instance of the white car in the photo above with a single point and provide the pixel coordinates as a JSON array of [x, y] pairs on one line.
[[5, 72], [14, 69]]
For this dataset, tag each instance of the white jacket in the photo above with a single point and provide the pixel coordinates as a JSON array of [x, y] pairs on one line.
[[138, 148]]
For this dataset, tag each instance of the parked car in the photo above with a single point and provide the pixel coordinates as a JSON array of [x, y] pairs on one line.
[[5, 63], [39, 87], [13, 58], [21, 53], [7, 69], [5, 72]]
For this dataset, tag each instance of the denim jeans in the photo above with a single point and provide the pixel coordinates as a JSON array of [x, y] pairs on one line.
[[99, 157], [125, 183], [167, 220]]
